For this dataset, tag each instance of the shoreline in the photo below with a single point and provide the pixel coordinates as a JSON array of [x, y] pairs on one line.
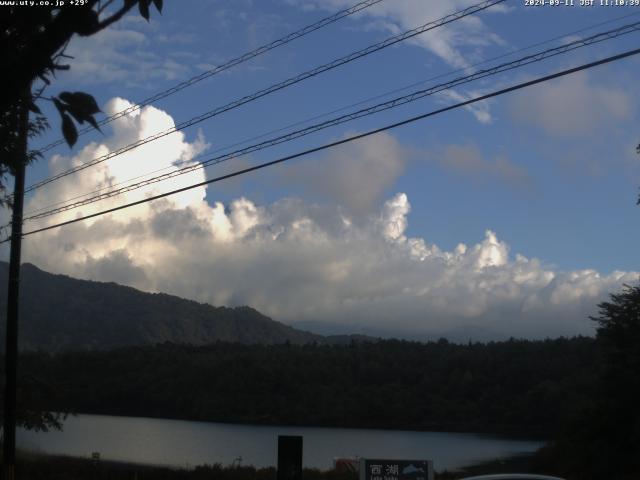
[[512, 434], [36, 465]]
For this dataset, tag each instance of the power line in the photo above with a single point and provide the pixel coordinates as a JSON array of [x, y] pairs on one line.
[[225, 66], [278, 86], [346, 140], [346, 107], [352, 116], [527, 60], [406, 87]]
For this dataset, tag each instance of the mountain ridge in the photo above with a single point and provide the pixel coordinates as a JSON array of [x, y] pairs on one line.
[[59, 312]]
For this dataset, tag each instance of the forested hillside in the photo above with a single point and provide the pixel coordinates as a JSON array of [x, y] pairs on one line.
[[527, 387], [58, 312]]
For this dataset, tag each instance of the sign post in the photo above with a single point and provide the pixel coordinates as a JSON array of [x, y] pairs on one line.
[[289, 457], [378, 469]]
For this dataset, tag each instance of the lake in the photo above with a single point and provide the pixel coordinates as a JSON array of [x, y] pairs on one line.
[[187, 444]]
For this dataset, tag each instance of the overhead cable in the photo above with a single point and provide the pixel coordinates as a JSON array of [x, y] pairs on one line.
[[340, 109], [226, 66], [276, 87], [527, 60], [503, 91]]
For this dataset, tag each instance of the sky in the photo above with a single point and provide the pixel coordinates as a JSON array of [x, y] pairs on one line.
[[511, 217]]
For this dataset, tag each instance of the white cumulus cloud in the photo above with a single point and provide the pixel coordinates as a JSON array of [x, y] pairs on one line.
[[296, 260]]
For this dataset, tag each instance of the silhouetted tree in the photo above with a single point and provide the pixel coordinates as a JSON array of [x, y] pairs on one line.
[[618, 408], [515, 386], [32, 45], [603, 442]]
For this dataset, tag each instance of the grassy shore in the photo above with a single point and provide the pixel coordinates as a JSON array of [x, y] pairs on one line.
[[45, 467]]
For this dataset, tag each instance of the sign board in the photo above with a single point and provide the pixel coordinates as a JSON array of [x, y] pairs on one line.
[[377, 469], [289, 457]]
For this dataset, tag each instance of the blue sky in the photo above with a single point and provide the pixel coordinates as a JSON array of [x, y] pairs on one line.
[[551, 171]]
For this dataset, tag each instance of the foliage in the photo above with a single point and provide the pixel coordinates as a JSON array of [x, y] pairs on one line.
[[33, 413], [603, 441], [32, 45], [518, 386], [9, 151], [66, 468]]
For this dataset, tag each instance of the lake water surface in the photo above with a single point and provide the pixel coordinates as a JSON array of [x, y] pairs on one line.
[[180, 443]]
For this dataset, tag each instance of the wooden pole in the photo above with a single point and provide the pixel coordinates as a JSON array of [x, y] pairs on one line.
[[13, 294]]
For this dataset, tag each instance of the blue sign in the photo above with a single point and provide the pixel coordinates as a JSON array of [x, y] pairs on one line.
[[377, 469]]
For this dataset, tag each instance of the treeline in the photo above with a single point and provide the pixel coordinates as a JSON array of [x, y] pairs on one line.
[[67, 468], [40, 467], [517, 386]]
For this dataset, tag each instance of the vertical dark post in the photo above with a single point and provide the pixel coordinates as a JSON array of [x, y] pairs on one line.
[[11, 348], [289, 457]]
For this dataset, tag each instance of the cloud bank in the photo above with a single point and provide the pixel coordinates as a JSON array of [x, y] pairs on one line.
[[458, 44], [573, 106], [454, 43], [296, 260], [127, 54]]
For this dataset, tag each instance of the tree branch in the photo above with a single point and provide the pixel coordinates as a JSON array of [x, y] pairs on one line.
[[102, 8], [113, 18], [43, 47]]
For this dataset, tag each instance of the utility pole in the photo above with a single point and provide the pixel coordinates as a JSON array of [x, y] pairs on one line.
[[11, 348]]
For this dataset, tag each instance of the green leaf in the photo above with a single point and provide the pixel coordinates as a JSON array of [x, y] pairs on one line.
[[69, 130], [87, 22], [143, 6], [80, 105], [93, 122], [78, 116], [158, 4], [66, 97], [59, 105], [81, 102], [34, 108]]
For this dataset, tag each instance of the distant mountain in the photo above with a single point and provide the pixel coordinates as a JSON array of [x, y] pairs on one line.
[[348, 339], [58, 312], [360, 332], [473, 333], [333, 329]]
